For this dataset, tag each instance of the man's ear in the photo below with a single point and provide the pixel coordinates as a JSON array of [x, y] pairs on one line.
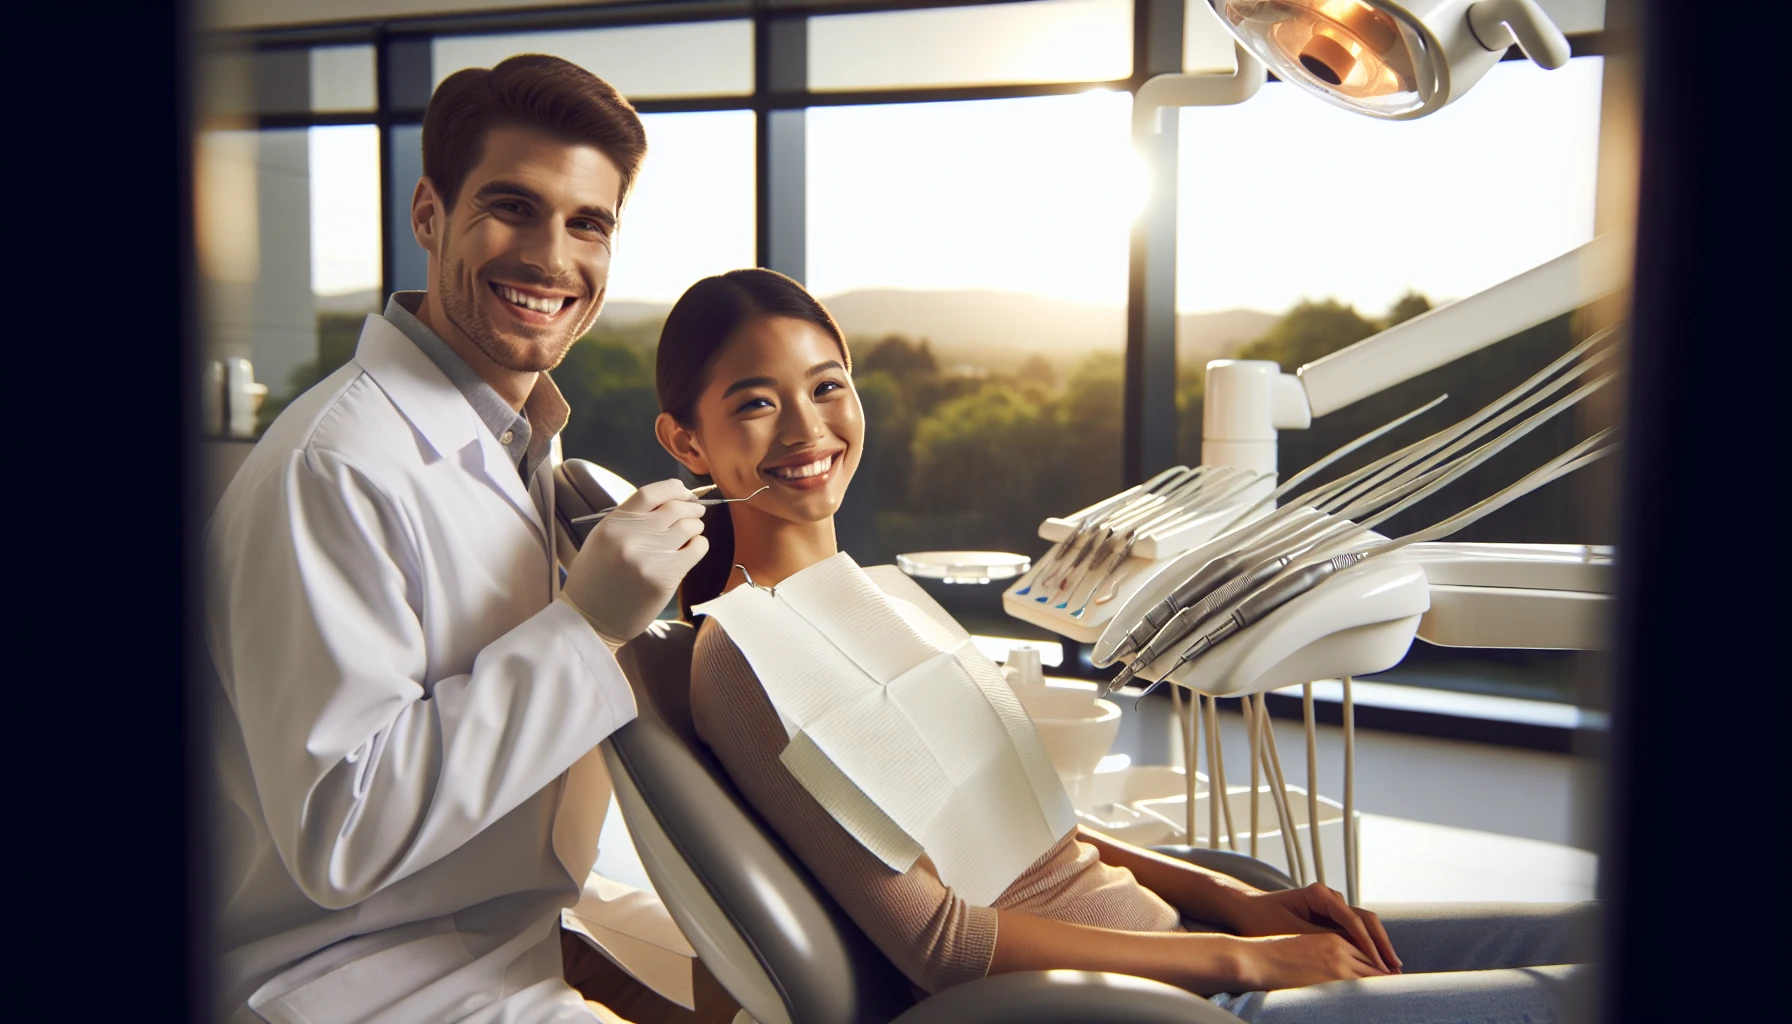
[[427, 215], [681, 443]]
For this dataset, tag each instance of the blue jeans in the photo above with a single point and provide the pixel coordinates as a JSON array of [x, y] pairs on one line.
[[1465, 963]]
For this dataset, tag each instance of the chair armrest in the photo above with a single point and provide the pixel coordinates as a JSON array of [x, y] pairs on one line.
[[1248, 870], [1065, 997]]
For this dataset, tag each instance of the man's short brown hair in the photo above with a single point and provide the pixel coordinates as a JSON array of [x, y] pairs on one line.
[[531, 90]]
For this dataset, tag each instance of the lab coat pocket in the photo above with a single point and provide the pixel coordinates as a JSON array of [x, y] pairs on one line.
[[357, 984]]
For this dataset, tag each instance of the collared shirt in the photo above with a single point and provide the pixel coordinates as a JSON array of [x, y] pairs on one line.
[[526, 436]]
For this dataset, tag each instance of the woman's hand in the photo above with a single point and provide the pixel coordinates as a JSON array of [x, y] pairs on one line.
[[1291, 961], [1315, 909]]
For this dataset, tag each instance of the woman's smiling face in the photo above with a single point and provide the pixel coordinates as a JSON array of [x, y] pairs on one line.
[[778, 410]]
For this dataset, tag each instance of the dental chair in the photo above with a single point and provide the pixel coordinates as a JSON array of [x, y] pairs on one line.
[[772, 936]]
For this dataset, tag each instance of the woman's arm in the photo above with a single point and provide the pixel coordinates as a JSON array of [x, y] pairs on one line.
[[1220, 899], [1200, 962], [1196, 891]]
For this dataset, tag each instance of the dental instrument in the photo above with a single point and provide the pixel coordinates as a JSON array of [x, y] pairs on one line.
[[1292, 584], [602, 512], [1096, 518], [1129, 522], [1421, 467]]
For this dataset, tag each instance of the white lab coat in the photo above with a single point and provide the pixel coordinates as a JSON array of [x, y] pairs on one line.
[[405, 727]]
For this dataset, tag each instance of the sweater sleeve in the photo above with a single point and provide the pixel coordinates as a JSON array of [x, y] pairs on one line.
[[930, 933]]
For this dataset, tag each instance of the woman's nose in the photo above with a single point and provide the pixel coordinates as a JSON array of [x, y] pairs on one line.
[[800, 425]]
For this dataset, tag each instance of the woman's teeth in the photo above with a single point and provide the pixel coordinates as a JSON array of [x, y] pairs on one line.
[[527, 301], [804, 471]]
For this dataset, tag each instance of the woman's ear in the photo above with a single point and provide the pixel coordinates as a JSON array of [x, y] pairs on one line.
[[681, 443]]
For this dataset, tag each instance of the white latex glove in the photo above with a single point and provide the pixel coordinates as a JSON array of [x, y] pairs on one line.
[[633, 560]]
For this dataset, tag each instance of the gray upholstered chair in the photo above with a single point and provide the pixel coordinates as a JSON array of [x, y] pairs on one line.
[[771, 935]]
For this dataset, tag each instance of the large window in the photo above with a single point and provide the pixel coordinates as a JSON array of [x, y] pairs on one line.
[[690, 216], [291, 237], [975, 255]]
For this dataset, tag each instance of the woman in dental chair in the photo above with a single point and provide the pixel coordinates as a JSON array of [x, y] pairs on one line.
[[755, 388]]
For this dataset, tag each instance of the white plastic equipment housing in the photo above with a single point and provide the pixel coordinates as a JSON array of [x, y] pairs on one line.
[[1248, 401], [1360, 621], [1524, 596]]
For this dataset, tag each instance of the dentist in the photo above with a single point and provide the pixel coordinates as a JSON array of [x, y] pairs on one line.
[[409, 697]]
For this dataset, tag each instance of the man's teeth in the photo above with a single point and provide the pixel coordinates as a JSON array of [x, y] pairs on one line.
[[539, 305], [815, 468]]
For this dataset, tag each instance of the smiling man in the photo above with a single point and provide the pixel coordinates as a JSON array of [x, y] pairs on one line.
[[410, 690]]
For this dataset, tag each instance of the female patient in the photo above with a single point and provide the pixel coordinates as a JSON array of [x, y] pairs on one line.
[[755, 388]]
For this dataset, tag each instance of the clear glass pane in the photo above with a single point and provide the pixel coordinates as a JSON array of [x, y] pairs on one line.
[[290, 252], [690, 216], [1042, 41], [984, 297], [704, 58], [342, 78], [1304, 228], [289, 80]]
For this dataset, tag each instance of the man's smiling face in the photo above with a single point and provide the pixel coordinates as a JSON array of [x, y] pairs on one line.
[[525, 252]]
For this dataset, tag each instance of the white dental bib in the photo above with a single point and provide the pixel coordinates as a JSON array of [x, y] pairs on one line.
[[899, 727]]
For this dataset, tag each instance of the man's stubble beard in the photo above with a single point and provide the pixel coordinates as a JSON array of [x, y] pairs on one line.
[[464, 312]]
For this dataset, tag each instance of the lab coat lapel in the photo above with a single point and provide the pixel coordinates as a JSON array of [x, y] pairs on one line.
[[425, 396]]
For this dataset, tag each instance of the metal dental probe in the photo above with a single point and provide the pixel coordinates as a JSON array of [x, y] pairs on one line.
[[602, 512], [1104, 529], [1088, 521]]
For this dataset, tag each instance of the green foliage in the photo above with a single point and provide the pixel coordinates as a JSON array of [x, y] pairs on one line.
[[898, 357], [1308, 331], [1405, 308]]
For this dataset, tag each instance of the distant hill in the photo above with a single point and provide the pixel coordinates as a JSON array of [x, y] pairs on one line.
[[986, 327]]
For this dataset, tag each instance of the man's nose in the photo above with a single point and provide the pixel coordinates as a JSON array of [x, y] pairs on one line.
[[546, 249]]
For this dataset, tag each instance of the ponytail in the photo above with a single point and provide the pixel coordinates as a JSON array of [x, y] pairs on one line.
[[707, 578]]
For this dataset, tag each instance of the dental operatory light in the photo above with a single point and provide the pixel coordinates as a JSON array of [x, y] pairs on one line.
[[1390, 60]]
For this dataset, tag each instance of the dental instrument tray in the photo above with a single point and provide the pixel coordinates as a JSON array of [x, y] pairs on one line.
[[1103, 554]]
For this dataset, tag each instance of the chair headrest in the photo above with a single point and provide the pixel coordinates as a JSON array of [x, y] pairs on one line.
[[658, 666]]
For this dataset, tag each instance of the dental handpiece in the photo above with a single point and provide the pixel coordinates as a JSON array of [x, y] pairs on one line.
[[1184, 622], [1211, 575], [1256, 607], [1194, 589]]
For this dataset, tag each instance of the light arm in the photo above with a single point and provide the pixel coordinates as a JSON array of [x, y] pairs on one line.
[[1430, 340]]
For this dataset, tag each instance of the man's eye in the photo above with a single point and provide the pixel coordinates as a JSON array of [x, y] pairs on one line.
[[510, 206]]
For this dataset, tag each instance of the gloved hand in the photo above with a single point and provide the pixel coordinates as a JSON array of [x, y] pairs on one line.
[[633, 560]]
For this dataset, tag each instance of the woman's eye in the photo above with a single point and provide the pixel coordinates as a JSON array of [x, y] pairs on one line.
[[826, 387], [754, 403]]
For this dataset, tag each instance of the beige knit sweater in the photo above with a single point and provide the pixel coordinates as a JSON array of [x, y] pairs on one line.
[[930, 933]]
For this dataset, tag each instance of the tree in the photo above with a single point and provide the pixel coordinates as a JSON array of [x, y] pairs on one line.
[[1308, 331], [1405, 308], [899, 357], [1036, 370]]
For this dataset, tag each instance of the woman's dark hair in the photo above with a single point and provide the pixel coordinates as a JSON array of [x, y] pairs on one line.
[[701, 322]]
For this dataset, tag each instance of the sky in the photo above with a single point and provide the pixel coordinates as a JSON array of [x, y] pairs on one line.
[[1281, 197]]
